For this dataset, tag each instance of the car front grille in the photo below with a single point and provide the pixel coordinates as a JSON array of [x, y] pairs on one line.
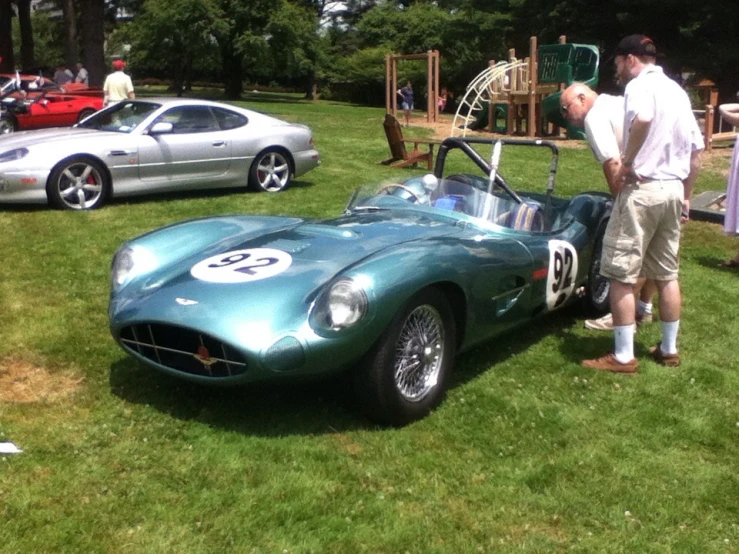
[[184, 350]]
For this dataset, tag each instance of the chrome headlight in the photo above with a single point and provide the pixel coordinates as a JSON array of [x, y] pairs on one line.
[[12, 155], [341, 306], [129, 262]]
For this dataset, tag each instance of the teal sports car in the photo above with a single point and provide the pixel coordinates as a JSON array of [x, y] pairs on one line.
[[411, 273]]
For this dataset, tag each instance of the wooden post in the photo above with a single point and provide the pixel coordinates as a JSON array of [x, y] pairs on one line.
[[511, 103], [388, 86], [395, 87], [533, 124], [708, 128], [436, 85], [429, 87]]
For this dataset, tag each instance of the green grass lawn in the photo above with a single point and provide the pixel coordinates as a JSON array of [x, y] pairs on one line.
[[529, 452]]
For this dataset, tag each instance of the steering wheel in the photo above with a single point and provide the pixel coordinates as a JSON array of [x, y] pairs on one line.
[[481, 183], [392, 186]]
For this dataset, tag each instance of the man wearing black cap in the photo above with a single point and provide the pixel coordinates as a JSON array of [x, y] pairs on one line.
[[660, 163]]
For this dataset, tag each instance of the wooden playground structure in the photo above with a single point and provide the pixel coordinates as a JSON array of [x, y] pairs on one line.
[[523, 92], [432, 82], [709, 94]]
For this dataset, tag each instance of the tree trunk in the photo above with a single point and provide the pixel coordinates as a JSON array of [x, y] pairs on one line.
[[70, 32], [24, 19], [92, 33], [7, 64], [233, 71]]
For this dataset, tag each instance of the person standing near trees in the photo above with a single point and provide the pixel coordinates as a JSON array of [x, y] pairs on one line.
[[82, 75], [407, 104], [659, 165], [602, 117], [118, 86], [730, 113]]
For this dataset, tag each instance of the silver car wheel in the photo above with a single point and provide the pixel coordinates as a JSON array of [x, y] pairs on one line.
[[419, 353], [80, 186], [273, 172]]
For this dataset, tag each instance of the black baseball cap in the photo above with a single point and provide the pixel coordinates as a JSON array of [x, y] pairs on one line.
[[636, 45]]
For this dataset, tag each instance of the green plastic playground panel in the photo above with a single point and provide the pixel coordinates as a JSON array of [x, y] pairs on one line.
[[567, 63]]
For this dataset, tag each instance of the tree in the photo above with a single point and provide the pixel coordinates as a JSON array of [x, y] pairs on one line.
[[92, 35], [69, 15], [7, 63]]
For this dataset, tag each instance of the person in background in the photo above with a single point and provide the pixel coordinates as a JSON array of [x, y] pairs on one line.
[[442, 99], [118, 86], [602, 117], [407, 104], [63, 75], [660, 162], [730, 113], [82, 75]]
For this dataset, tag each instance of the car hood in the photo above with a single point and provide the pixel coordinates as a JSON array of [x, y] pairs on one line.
[[25, 139], [317, 253]]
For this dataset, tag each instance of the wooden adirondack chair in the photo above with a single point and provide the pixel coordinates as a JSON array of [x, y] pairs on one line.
[[400, 156]]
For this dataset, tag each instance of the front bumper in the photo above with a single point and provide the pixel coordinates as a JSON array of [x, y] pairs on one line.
[[26, 186]]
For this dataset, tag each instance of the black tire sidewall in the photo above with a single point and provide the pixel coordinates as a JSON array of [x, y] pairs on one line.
[[374, 380], [603, 307]]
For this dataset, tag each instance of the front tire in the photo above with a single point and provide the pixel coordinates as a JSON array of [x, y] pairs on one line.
[[403, 377], [78, 183], [7, 124], [598, 288], [270, 171]]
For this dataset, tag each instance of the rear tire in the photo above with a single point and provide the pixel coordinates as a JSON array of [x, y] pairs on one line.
[[270, 171], [78, 183], [403, 377], [598, 287], [84, 114]]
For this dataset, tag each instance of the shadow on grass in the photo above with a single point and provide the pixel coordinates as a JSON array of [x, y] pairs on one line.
[[715, 264], [200, 194], [312, 407]]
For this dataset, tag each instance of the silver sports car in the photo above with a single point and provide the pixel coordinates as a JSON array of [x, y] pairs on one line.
[[153, 145]]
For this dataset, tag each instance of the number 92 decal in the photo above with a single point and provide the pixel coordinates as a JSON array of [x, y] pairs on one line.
[[242, 266], [562, 272]]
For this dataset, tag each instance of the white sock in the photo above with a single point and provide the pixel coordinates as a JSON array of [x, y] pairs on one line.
[[624, 335], [643, 308], [669, 336]]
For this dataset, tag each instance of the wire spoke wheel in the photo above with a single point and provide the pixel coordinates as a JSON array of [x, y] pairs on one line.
[[419, 353]]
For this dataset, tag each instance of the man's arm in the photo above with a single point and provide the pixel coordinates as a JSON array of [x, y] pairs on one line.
[[611, 169], [637, 135], [689, 181]]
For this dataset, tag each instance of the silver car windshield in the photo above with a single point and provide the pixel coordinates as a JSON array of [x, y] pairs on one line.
[[123, 117], [444, 196]]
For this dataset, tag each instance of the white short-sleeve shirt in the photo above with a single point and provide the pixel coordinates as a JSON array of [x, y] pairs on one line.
[[673, 134], [604, 127]]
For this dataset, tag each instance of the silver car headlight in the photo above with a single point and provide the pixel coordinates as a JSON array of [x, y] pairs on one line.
[[341, 306], [129, 262], [13, 155]]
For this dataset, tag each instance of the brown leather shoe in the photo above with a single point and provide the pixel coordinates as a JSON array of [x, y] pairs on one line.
[[610, 363], [669, 360]]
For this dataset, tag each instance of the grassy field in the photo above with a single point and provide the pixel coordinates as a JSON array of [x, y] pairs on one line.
[[529, 452]]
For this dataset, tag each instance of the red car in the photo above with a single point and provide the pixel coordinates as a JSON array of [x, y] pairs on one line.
[[31, 102]]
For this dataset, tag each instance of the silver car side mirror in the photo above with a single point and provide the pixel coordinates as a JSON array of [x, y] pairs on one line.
[[161, 128]]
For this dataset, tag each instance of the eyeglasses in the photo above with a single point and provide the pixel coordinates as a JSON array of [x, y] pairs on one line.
[[565, 109]]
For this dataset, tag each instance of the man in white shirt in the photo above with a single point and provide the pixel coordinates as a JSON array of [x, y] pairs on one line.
[[602, 116], [82, 75], [660, 163], [118, 85]]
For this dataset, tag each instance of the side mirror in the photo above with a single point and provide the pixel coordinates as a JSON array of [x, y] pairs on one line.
[[161, 128]]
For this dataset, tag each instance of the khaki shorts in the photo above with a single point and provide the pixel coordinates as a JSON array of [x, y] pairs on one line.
[[643, 235]]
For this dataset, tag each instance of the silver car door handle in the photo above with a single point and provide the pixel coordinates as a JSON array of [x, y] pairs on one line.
[[120, 153], [219, 143]]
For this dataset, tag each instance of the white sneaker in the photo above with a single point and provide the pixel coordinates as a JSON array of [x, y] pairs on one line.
[[604, 323]]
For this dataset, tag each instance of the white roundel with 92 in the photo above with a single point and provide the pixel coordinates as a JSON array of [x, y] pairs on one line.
[[562, 272], [242, 266]]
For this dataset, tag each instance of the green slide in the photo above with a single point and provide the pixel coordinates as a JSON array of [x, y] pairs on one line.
[[566, 63]]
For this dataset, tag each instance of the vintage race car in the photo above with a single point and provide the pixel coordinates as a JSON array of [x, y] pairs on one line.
[[28, 102], [411, 273]]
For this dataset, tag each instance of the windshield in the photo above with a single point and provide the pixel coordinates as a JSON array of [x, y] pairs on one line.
[[123, 117], [448, 196]]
